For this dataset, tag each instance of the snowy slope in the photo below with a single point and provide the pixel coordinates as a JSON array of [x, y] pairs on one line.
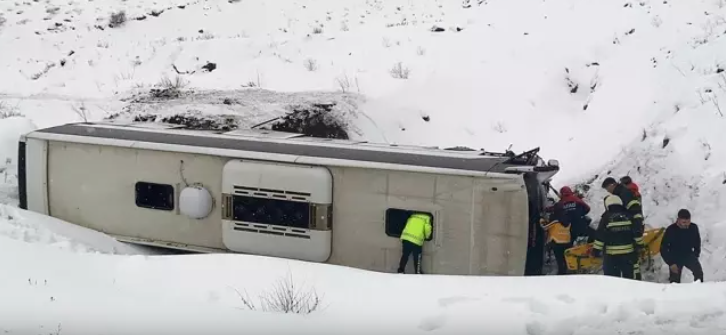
[[631, 87], [199, 293]]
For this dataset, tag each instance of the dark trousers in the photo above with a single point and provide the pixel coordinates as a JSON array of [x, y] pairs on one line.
[[637, 275], [619, 265], [559, 251], [692, 264], [408, 250], [581, 228]]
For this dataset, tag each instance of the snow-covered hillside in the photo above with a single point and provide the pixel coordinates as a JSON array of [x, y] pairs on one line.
[[606, 87]]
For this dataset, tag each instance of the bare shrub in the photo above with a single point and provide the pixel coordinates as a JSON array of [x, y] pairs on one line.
[[399, 71], [43, 72], [317, 30], [319, 120], [344, 83], [2, 20], [81, 111], [285, 297], [7, 111], [420, 51], [254, 83], [205, 37], [117, 19], [499, 127], [310, 64], [177, 83], [169, 88]]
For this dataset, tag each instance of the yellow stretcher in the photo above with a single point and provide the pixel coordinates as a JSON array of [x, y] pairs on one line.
[[579, 260]]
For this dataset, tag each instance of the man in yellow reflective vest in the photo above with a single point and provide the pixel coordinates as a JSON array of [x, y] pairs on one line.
[[418, 229], [559, 239], [619, 238]]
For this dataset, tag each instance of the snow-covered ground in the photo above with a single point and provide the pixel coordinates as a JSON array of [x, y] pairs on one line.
[[608, 88], [48, 289]]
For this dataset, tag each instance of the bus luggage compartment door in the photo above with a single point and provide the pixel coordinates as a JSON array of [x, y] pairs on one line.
[[278, 210]]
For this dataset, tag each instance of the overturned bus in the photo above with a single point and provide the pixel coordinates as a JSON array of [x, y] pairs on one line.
[[287, 195]]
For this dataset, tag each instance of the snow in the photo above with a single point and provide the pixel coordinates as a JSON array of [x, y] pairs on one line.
[[651, 89], [197, 293], [36, 228], [10, 130]]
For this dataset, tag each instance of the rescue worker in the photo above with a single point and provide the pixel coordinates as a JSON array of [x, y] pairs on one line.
[[418, 229], [681, 247], [618, 240], [633, 187], [634, 210], [559, 240], [572, 210]]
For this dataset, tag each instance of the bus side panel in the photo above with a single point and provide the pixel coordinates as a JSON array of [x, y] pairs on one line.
[[105, 188], [35, 175], [502, 227]]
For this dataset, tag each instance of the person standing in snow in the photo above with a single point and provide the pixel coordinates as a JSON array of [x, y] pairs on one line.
[[571, 210], [418, 229], [617, 240], [559, 239], [634, 210], [633, 187], [681, 247]]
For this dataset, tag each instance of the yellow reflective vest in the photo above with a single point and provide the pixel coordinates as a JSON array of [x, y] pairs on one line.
[[556, 231], [418, 228]]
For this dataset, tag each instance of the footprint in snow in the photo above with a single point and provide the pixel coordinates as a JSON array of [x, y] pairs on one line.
[[432, 322], [701, 320], [647, 306]]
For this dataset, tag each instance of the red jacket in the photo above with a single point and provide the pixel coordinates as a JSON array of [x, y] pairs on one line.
[[634, 188], [570, 208], [566, 195]]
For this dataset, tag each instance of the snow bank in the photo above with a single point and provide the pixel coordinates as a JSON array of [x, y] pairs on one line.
[[40, 229], [193, 294]]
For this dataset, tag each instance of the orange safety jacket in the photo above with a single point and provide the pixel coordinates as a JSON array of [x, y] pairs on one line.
[[556, 231]]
